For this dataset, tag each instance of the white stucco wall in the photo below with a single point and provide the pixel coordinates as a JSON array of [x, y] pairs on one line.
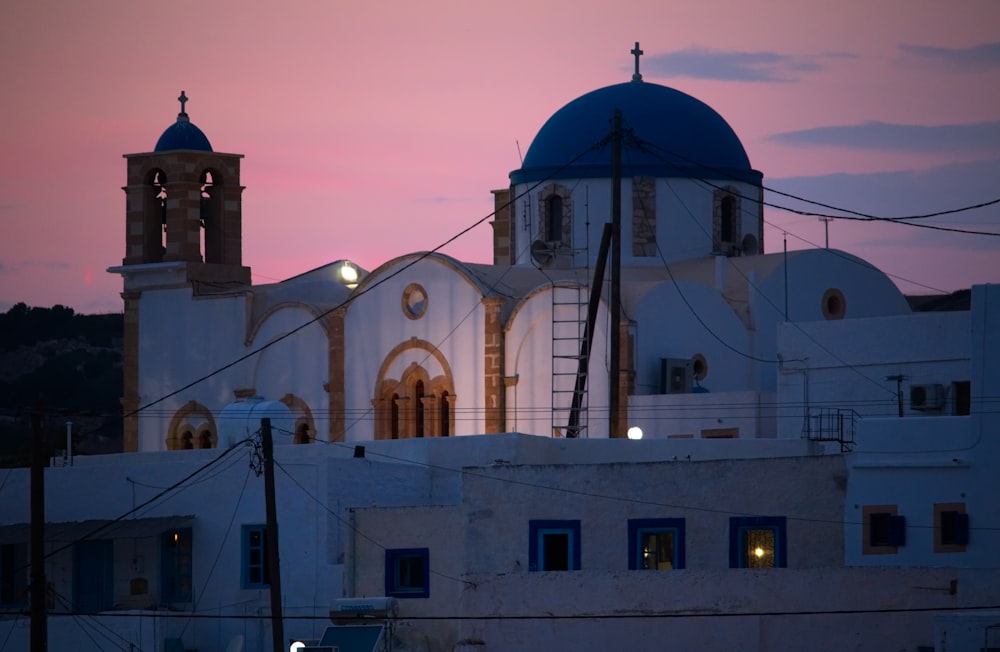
[[181, 340], [925, 458], [846, 364], [679, 320], [684, 214], [453, 323], [528, 355]]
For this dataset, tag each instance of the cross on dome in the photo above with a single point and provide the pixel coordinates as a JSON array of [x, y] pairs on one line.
[[636, 52], [184, 98]]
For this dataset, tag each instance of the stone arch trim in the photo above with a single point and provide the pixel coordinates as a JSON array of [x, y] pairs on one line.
[[258, 323], [411, 259], [541, 289], [406, 411], [192, 424]]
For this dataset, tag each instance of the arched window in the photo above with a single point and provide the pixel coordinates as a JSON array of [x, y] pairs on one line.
[[418, 408], [302, 433], [193, 426], [727, 225], [445, 415], [554, 218], [408, 396], [394, 416], [726, 218], [154, 221], [305, 427], [212, 243], [555, 213]]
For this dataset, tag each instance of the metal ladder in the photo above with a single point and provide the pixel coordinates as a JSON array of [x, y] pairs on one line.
[[569, 325]]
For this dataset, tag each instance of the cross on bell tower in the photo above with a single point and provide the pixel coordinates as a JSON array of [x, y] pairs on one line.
[[636, 52]]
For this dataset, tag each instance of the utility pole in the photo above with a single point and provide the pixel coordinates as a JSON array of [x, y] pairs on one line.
[[826, 229], [39, 587], [899, 391], [271, 536], [573, 430], [616, 273]]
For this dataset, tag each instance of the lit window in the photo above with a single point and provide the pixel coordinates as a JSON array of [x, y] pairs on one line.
[[655, 543], [255, 571], [757, 542], [407, 573], [553, 545], [175, 566]]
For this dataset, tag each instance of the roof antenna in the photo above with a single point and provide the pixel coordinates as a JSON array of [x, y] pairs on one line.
[[518, 143]]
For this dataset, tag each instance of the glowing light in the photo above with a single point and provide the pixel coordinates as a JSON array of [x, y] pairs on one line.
[[176, 537], [348, 274], [297, 645], [759, 552], [635, 432]]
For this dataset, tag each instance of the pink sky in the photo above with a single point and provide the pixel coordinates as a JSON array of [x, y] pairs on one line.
[[372, 129]]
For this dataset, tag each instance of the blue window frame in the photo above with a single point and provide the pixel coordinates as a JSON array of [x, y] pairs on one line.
[[757, 542], [553, 545], [655, 543], [254, 574], [408, 572], [175, 565]]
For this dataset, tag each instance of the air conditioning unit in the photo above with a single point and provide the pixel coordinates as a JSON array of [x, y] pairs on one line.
[[676, 376], [927, 397], [363, 608]]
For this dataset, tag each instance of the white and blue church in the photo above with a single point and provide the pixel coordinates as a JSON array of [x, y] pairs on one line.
[[469, 349]]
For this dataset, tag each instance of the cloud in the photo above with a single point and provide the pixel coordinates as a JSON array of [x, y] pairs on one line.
[[975, 58], [977, 137], [703, 63], [48, 264], [901, 193], [35, 264]]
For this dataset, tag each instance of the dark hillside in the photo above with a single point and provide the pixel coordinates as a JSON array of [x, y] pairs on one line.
[[70, 366]]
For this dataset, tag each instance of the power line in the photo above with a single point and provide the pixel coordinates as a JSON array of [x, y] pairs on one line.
[[853, 215]]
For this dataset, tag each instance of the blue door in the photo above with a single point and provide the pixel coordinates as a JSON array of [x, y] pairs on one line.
[[93, 576]]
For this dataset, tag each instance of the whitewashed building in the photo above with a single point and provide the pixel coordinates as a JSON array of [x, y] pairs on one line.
[[817, 467]]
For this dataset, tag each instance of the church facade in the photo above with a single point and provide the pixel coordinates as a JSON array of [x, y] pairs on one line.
[[464, 348]]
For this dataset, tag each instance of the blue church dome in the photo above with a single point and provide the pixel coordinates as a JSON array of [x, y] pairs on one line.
[[667, 134], [183, 134]]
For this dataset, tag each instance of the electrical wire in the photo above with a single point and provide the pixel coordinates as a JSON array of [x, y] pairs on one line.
[[354, 529], [853, 215]]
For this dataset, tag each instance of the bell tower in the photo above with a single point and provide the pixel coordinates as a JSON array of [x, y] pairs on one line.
[[184, 206], [183, 228]]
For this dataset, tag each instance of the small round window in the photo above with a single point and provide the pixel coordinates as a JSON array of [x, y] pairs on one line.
[[414, 301], [699, 366], [834, 304]]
